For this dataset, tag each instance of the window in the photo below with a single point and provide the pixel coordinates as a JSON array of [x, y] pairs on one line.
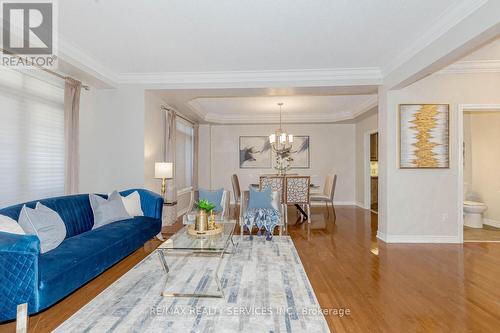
[[184, 154], [31, 138]]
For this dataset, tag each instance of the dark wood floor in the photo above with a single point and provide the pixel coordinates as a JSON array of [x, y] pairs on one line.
[[405, 288]]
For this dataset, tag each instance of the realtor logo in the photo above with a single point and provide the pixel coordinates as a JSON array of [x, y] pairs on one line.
[[28, 33]]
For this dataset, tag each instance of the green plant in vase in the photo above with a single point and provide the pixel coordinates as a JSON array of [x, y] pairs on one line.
[[205, 207]]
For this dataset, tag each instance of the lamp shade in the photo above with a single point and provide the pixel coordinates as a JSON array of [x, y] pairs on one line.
[[163, 170]]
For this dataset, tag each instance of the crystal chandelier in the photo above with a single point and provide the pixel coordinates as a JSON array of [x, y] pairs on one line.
[[280, 140]]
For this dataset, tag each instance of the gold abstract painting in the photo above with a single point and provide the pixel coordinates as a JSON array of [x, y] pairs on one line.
[[424, 135]]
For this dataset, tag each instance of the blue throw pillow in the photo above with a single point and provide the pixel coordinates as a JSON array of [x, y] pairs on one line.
[[260, 199], [214, 197]]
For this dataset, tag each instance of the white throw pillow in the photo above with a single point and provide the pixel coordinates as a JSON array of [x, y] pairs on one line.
[[11, 226], [45, 223], [132, 203]]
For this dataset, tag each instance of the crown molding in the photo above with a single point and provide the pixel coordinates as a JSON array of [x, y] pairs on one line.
[[86, 63], [447, 21], [268, 78], [472, 66], [273, 118], [218, 118]]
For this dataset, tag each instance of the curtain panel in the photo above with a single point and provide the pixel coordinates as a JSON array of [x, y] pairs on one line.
[[72, 90], [170, 142]]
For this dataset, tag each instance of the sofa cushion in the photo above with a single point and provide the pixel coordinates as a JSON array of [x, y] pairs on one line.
[[107, 210], [81, 258], [45, 223], [74, 210]]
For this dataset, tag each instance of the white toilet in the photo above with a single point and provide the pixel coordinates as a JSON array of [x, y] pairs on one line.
[[473, 214]]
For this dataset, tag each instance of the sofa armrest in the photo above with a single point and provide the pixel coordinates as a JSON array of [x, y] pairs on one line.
[[19, 278], [151, 202]]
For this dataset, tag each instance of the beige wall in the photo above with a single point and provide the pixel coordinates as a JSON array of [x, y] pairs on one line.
[[424, 205], [332, 150], [111, 139], [482, 160], [365, 125], [154, 139]]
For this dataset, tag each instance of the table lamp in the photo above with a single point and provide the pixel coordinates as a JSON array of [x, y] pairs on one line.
[[163, 171]]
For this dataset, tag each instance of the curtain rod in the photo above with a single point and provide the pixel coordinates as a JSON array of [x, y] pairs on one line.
[[178, 114], [46, 70]]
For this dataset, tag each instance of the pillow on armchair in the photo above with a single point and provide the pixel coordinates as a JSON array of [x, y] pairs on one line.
[[260, 199], [214, 197]]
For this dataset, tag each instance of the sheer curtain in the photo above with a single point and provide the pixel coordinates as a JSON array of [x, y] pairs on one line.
[[170, 152], [184, 155], [32, 141]]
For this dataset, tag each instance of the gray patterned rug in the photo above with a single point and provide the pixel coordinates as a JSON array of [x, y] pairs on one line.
[[265, 285]]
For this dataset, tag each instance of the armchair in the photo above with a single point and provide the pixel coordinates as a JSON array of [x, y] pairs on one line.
[[276, 203], [195, 196]]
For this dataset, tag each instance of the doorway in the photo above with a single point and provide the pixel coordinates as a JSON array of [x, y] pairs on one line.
[[478, 182], [374, 172]]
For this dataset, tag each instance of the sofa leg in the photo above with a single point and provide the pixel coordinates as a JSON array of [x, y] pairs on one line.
[[22, 318]]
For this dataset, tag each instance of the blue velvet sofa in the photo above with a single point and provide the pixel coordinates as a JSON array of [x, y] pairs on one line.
[[41, 280]]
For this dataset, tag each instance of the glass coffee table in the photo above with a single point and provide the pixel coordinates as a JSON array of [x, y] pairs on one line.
[[216, 245]]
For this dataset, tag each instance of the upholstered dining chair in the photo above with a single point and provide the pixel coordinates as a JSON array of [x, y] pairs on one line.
[[328, 193], [276, 203], [297, 192], [195, 196], [236, 190]]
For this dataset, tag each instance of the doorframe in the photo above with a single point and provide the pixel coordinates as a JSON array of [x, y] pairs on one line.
[[367, 173], [460, 181]]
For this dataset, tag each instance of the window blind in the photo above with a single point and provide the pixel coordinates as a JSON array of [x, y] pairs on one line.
[[184, 154], [31, 137]]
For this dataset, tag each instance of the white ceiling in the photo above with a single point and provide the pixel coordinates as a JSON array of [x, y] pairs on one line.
[[129, 36], [296, 109]]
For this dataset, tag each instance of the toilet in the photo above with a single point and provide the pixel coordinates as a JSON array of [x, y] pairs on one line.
[[473, 214]]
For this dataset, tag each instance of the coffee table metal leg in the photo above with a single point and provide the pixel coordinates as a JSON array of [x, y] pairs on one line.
[[199, 295]]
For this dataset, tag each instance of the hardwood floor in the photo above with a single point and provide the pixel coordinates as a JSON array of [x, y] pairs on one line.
[[406, 288]]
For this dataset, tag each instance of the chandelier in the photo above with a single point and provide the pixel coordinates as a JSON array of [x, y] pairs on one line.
[[281, 141]]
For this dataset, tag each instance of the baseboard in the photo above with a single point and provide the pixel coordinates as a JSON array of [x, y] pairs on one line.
[[418, 239], [336, 203], [492, 223]]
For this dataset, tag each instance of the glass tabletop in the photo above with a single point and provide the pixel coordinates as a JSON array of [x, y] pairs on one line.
[[181, 240]]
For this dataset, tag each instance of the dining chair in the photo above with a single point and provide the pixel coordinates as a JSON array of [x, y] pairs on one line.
[[328, 193], [277, 184], [245, 197], [195, 196], [236, 190], [297, 192]]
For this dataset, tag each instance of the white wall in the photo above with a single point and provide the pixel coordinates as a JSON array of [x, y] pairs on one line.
[[111, 139], [423, 205], [364, 126], [332, 150], [482, 160]]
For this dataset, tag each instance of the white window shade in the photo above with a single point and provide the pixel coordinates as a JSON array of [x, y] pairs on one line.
[[31, 138], [184, 154]]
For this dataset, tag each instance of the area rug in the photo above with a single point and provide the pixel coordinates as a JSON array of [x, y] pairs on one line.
[[266, 290]]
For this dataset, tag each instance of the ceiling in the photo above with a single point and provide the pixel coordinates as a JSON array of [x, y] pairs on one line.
[[259, 106], [127, 36], [226, 61], [296, 109]]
